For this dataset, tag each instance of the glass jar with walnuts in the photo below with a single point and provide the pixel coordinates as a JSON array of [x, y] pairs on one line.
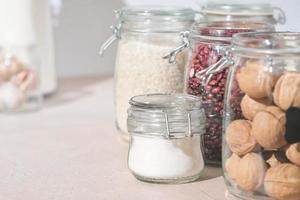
[[261, 152]]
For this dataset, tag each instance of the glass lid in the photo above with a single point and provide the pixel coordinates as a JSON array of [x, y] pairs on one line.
[[271, 43], [227, 29], [157, 11], [238, 9], [168, 115], [167, 102]]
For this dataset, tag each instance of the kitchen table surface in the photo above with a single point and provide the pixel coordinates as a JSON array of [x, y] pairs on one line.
[[70, 150]]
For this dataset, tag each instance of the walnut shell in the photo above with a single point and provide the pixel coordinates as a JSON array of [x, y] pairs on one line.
[[273, 158], [293, 153], [255, 81], [282, 182], [287, 91], [250, 107], [232, 165], [251, 171], [238, 137], [268, 128]]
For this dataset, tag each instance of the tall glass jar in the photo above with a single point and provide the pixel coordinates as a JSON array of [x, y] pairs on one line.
[[19, 79], [208, 43], [261, 152], [145, 35], [264, 13], [165, 141]]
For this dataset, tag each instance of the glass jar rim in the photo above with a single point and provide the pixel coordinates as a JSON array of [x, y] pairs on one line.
[[218, 30], [146, 12], [166, 102], [154, 19], [172, 116], [267, 43], [259, 9]]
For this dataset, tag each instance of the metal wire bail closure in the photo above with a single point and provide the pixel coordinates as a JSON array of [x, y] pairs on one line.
[[279, 15], [225, 62], [185, 44], [169, 135], [116, 29]]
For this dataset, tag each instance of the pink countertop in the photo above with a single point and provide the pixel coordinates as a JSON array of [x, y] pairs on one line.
[[70, 151]]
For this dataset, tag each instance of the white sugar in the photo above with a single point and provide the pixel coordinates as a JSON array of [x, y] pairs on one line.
[[159, 158]]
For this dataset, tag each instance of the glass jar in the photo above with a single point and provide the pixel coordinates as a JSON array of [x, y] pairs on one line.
[[264, 13], [145, 35], [208, 43], [19, 79], [165, 138], [261, 151]]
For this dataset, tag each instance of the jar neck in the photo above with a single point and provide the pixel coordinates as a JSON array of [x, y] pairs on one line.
[[229, 18], [223, 31], [244, 12], [168, 116], [144, 19], [155, 26], [270, 44]]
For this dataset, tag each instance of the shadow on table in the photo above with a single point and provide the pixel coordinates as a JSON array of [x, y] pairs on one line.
[[211, 172], [73, 89]]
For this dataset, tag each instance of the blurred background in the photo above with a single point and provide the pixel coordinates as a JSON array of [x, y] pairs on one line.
[[83, 25]]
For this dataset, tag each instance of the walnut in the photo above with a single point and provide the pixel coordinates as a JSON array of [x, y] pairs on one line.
[[293, 153], [250, 107], [287, 91], [251, 171], [268, 128], [232, 165], [255, 81], [239, 138], [282, 182]]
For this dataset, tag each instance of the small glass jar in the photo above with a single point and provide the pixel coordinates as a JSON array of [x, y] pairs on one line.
[[264, 13], [165, 138], [208, 43], [19, 79], [261, 151], [145, 35]]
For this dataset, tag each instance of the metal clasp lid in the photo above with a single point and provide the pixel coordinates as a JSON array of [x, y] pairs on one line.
[[185, 44], [116, 29], [169, 135], [279, 15], [226, 61]]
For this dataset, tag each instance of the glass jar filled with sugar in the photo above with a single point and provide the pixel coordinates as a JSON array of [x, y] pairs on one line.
[[165, 138]]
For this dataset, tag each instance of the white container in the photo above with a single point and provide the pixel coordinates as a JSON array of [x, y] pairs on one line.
[[27, 23], [19, 57], [45, 42]]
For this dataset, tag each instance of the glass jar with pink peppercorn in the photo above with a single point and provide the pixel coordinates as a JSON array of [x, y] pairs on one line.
[[208, 43]]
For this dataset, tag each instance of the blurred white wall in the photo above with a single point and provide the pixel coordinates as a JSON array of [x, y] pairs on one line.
[[84, 25]]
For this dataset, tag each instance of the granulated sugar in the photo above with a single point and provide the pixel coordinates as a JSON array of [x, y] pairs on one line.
[[159, 158], [140, 69]]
